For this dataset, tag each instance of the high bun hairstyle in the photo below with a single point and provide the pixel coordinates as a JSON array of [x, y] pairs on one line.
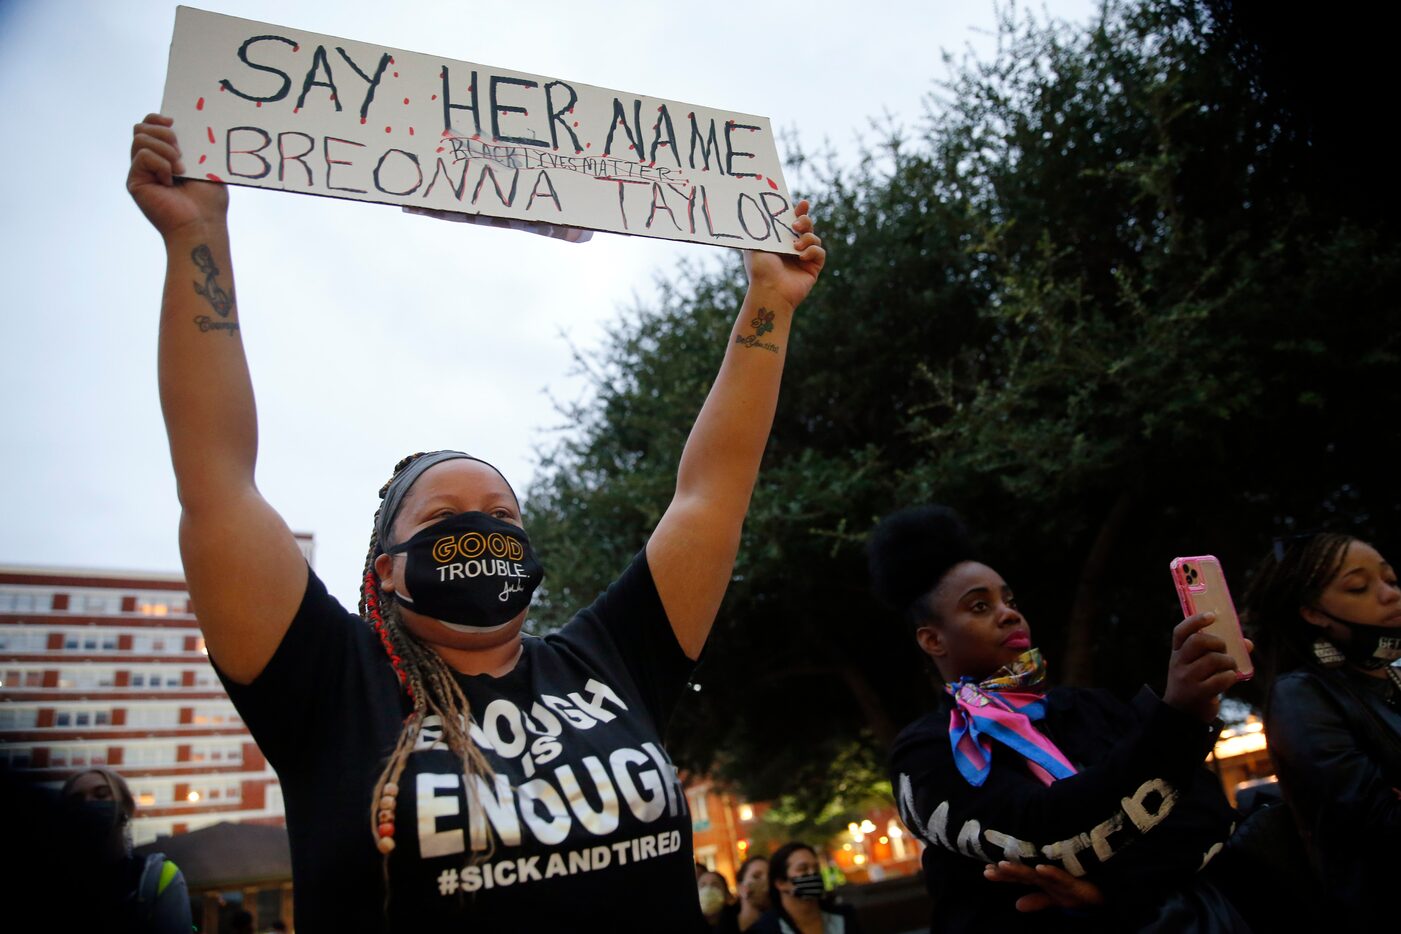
[[426, 680], [910, 551]]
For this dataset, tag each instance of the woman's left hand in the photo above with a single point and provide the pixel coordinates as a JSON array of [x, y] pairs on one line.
[[1059, 889], [786, 278]]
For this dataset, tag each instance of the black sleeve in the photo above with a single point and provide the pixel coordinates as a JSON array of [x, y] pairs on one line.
[[1334, 786], [630, 616], [1078, 822], [316, 669]]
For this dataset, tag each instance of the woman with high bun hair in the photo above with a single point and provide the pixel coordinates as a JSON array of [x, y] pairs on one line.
[[442, 770], [1048, 809], [1325, 609]]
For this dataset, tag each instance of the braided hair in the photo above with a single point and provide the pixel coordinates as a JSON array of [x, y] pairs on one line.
[[1294, 574], [426, 679]]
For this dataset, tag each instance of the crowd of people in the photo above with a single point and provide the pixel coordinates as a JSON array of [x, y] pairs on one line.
[[442, 768]]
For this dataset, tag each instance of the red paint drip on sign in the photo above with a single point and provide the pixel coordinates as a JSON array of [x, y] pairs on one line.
[[210, 130], [212, 177], [201, 159], [772, 184], [199, 104]]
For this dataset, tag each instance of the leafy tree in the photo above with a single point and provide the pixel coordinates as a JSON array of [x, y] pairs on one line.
[[1106, 302]]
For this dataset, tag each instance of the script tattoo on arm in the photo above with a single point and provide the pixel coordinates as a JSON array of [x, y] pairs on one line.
[[221, 300], [762, 323]]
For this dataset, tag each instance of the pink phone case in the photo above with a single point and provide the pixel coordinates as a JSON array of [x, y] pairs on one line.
[[1201, 586]]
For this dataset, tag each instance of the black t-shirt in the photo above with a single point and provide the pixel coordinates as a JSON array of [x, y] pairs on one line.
[[1140, 818], [586, 826]]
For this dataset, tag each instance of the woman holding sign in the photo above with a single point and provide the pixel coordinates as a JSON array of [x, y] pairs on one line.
[[439, 767]]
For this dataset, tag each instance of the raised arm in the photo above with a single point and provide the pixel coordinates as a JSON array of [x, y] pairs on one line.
[[692, 551], [244, 570]]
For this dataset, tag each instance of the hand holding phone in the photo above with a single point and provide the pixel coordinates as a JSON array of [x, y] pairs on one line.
[[1201, 588]]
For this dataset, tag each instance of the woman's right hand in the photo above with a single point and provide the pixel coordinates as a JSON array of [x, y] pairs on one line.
[[1199, 671], [169, 203]]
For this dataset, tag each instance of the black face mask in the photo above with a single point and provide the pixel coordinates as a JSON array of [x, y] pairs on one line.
[[1370, 647], [807, 885], [469, 570]]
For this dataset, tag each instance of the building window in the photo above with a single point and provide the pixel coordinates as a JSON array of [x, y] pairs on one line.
[[102, 718], [12, 718], [63, 719], [82, 718], [138, 681], [15, 756], [94, 603], [20, 601], [71, 642]]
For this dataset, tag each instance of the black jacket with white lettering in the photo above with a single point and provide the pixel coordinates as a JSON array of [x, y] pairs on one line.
[[1139, 819]]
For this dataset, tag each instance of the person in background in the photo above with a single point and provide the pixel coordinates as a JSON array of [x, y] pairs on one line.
[[796, 896], [753, 900], [1326, 610], [714, 896], [1048, 810], [139, 894]]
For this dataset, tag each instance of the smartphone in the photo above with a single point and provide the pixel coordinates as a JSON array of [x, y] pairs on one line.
[[1201, 586]]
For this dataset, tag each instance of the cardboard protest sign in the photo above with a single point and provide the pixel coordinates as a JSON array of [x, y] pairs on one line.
[[273, 107]]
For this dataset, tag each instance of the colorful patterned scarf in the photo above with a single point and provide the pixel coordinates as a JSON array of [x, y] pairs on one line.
[[1002, 707]]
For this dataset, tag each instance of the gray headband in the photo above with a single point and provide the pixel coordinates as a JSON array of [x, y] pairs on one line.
[[399, 488]]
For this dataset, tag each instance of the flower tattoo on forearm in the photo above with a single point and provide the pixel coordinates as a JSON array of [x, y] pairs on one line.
[[762, 323]]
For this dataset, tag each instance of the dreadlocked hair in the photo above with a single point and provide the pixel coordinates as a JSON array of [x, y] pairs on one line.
[[1292, 575], [427, 681]]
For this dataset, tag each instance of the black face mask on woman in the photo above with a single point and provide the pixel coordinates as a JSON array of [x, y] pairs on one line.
[[807, 885], [469, 570], [1370, 647]]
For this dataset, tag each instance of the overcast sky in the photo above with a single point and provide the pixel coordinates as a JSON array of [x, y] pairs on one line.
[[370, 333]]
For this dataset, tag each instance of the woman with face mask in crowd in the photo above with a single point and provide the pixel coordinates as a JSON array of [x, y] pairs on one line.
[[1326, 611], [714, 894], [753, 897], [1048, 810], [796, 897], [130, 893], [441, 769]]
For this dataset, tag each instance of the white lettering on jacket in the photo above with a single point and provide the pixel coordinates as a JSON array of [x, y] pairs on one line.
[[1145, 809]]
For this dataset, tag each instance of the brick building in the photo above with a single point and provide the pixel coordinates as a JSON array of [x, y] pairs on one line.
[[109, 668]]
